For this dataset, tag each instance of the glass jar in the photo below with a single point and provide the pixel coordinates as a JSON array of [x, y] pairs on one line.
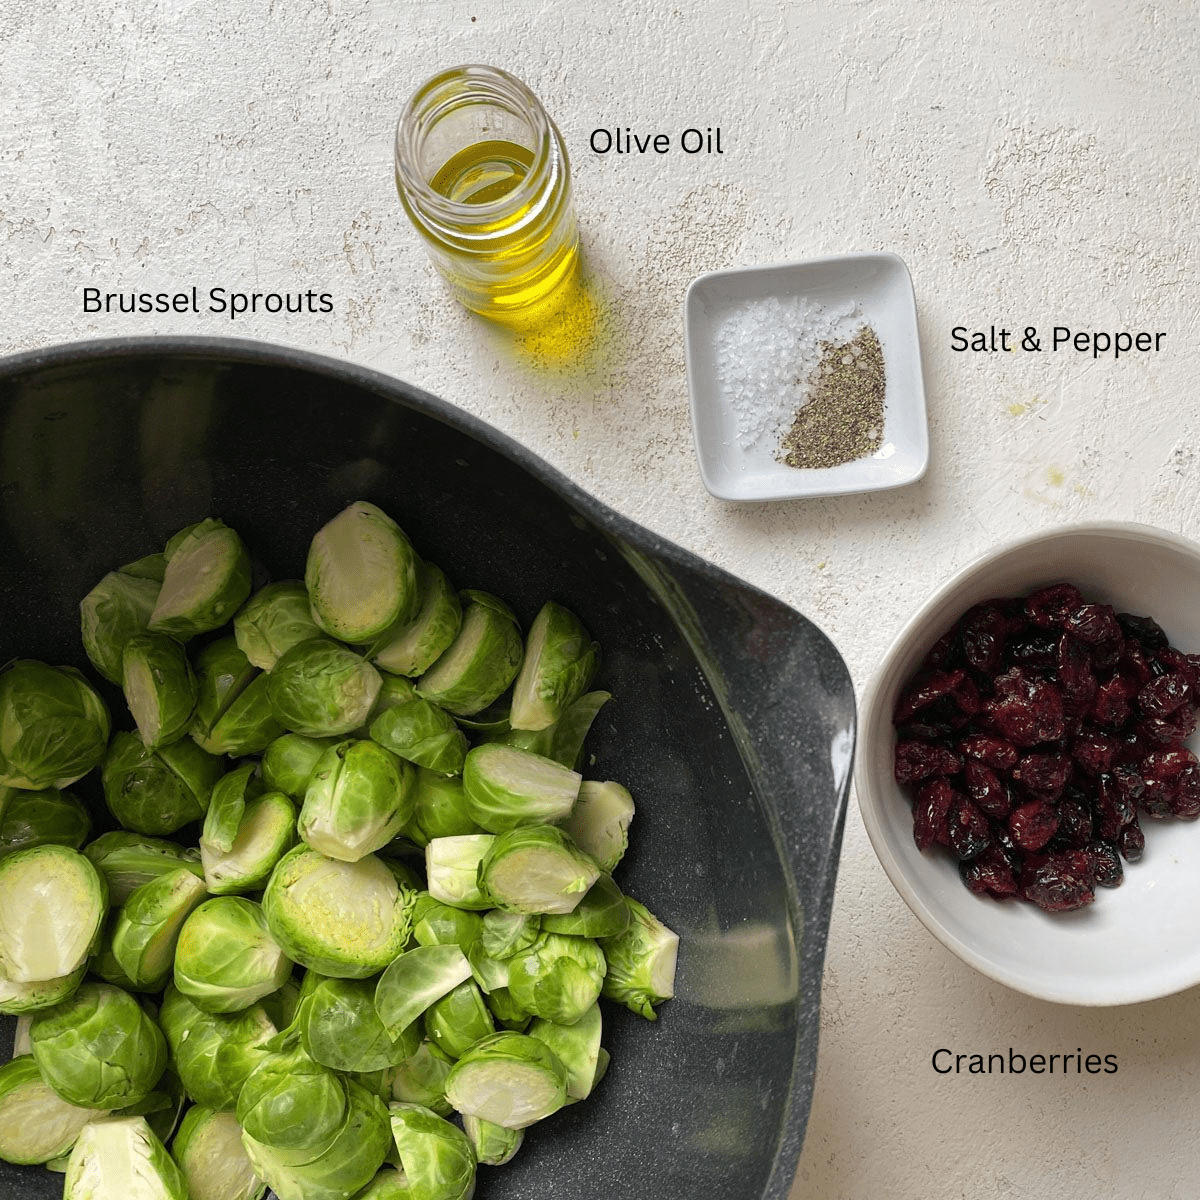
[[483, 174]]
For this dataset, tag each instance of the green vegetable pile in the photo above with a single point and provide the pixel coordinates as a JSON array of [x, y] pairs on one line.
[[380, 958]]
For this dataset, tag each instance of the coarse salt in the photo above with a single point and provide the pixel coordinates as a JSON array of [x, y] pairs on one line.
[[767, 352]]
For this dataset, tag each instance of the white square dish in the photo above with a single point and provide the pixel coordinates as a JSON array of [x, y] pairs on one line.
[[881, 288]]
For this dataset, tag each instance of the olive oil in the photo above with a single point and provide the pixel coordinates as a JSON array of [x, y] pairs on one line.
[[482, 173]]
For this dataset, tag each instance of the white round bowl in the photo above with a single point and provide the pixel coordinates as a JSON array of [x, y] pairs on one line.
[[1138, 941]]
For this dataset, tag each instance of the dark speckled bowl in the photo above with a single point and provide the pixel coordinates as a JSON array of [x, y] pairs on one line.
[[733, 719]]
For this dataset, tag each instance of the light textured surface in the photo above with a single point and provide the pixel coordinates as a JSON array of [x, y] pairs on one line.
[[1033, 164]]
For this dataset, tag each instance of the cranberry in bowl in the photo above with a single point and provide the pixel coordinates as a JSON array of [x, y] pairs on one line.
[[1029, 728]]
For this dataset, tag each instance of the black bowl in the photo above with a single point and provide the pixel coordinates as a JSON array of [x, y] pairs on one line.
[[732, 720]]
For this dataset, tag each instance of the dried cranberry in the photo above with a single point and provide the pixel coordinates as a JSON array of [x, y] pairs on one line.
[[986, 790], [1095, 624], [927, 690], [1074, 830], [1131, 841], [1106, 864], [990, 749], [1095, 752], [969, 829], [983, 630], [1166, 731], [1164, 694], [1051, 606], [1032, 825], [1135, 665], [1113, 703], [1186, 798], [1034, 648], [1059, 882], [1145, 630], [1043, 774], [989, 874], [919, 760], [1117, 795], [931, 814], [1075, 675], [1030, 719]]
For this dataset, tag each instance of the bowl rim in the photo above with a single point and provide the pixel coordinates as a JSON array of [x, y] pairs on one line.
[[874, 723]]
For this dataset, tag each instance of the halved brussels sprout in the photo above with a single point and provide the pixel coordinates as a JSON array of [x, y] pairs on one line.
[[147, 927], [122, 1156], [208, 1150], [493, 1144], [641, 962], [127, 860], [358, 799], [599, 822], [576, 1046], [276, 618], [41, 818], [482, 660], [99, 1048], [247, 725], [28, 997], [436, 1157], [322, 689], [52, 907], [338, 918], [507, 787], [207, 578], [412, 647], [223, 672], [422, 733], [227, 804], [459, 1019], [440, 808], [509, 1079], [266, 831], [421, 1079], [289, 761], [214, 1053], [118, 607], [344, 1167], [53, 725], [340, 1028], [558, 978], [361, 574], [505, 933], [536, 869], [560, 660], [601, 913], [293, 1104], [452, 866], [226, 958], [36, 1124], [414, 980], [159, 686], [562, 741], [158, 791], [438, 924]]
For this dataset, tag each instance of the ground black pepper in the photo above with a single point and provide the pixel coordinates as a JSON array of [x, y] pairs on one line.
[[843, 419]]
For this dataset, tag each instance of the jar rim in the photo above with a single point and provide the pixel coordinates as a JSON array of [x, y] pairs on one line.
[[437, 97]]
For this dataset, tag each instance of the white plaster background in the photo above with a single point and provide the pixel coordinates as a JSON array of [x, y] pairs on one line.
[[1032, 163]]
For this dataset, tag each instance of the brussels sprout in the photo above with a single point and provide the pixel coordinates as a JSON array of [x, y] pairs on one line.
[[482, 660], [338, 918], [507, 787], [148, 924], [52, 907], [439, 808], [227, 804], [438, 924], [564, 740], [127, 860], [248, 724], [422, 733], [121, 1156], [576, 1046], [38, 818], [536, 869], [289, 761], [266, 831], [347, 1165], [116, 609], [159, 687], [158, 791], [358, 800], [214, 1052], [436, 1157], [452, 869], [599, 822], [208, 1150], [226, 958], [276, 618], [322, 689], [28, 997], [493, 1144], [293, 1104], [505, 934], [509, 1079], [421, 1079], [601, 913], [223, 672], [99, 1048], [361, 574], [559, 662], [163, 1108], [558, 978], [414, 980], [340, 1028], [53, 726], [207, 579], [641, 962], [36, 1124], [412, 647], [459, 1019]]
